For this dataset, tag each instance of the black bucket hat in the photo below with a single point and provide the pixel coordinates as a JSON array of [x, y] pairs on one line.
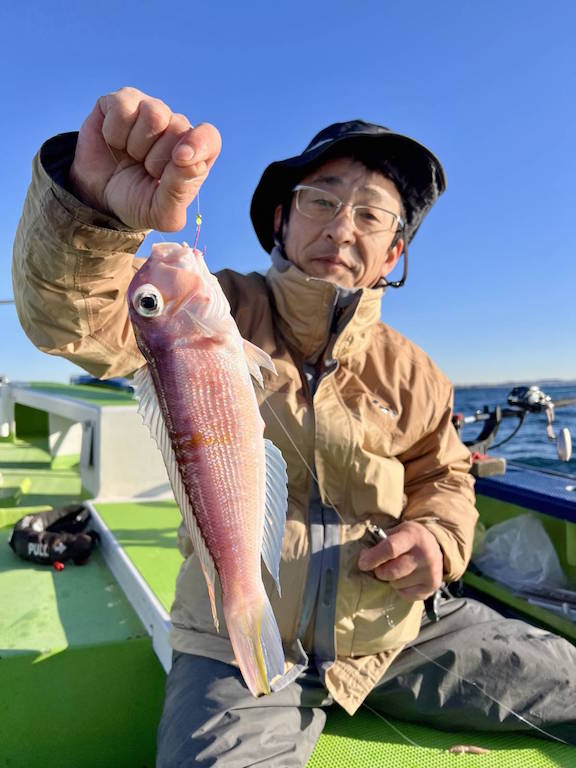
[[417, 172]]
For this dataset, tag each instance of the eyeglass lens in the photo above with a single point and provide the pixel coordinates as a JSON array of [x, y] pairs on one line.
[[321, 205]]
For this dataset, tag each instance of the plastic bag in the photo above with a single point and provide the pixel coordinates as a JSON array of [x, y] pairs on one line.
[[519, 553]]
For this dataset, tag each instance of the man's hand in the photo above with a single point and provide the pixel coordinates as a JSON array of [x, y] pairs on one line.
[[410, 559], [141, 162]]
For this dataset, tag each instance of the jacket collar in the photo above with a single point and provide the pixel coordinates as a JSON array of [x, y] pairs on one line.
[[310, 310]]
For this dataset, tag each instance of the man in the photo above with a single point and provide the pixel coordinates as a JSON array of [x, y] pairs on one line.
[[362, 416]]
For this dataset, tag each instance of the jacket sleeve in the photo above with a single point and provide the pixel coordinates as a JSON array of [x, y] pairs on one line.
[[71, 269], [438, 484]]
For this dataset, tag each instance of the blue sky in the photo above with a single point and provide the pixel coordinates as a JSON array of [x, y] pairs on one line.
[[488, 86]]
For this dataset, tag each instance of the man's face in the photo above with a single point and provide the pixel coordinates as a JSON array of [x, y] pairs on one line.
[[336, 250]]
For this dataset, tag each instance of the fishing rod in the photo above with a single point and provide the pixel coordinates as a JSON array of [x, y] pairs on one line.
[[521, 401]]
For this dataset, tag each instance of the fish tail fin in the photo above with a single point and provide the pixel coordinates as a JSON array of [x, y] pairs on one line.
[[256, 642]]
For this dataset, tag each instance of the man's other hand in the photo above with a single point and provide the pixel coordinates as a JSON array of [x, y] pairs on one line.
[[410, 559], [141, 162]]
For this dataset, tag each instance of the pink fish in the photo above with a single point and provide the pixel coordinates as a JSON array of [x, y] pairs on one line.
[[197, 398]]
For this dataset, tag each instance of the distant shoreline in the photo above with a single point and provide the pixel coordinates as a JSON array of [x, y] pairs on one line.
[[523, 383]]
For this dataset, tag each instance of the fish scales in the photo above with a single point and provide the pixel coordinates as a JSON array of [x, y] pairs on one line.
[[217, 449], [210, 433]]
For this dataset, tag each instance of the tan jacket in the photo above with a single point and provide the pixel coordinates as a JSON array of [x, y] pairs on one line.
[[377, 431]]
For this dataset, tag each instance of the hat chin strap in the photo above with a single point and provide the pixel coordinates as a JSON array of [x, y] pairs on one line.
[[383, 283]]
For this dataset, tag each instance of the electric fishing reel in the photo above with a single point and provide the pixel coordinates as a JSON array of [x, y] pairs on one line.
[[523, 400], [53, 537]]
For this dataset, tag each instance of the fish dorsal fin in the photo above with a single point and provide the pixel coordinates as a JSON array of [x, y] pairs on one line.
[[256, 358], [275, 515], [151, 413]]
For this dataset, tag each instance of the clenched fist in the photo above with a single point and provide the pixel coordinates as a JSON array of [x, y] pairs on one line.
[[141, 162], [410, 559]]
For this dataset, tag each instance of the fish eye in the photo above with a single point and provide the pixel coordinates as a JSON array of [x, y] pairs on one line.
[[147, 301]]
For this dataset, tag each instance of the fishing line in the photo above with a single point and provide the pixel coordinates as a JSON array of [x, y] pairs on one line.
[[198, 220], [394, 728], [392, 624], [511, 711], [504, 706], [308, 467], [389, 619]]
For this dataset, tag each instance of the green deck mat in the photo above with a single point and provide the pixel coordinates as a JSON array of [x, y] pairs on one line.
[[147, 533], [89, 394], [79, 681], [367, 741], [29, 483], [44, 611], [66, 637]]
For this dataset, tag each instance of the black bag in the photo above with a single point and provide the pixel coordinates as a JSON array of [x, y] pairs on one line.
[[54, 536]]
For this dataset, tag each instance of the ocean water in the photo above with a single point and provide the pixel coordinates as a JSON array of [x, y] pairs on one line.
[[531, 445]]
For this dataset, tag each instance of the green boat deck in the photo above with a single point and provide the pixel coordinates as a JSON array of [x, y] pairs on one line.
[[358, 742], [80, 682], [82, 686]]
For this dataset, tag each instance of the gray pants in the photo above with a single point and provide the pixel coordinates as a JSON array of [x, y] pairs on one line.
[[472, 670]]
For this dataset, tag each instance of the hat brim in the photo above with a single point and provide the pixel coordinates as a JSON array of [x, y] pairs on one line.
[[419, 167]]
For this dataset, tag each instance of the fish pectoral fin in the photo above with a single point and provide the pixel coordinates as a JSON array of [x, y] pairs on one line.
[[209, 573], [256, 358], [205, 326], [213, 318], [275, 511]]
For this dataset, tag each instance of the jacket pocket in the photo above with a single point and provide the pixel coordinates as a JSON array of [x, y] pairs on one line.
[[383, 620]]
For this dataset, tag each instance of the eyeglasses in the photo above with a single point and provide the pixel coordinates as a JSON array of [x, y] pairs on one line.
[[323, 206]]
